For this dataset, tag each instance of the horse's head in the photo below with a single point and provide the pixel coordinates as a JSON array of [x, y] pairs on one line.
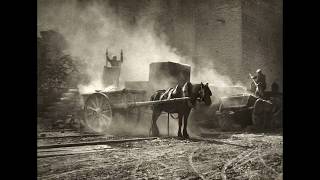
[[198, 91], [205, 93]]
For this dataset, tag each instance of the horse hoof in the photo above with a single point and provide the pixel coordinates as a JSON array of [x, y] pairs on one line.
[[186, 136], [180, 135]]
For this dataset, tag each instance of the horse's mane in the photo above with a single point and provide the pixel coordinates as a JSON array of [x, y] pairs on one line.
[[187, 89], [190, 90]]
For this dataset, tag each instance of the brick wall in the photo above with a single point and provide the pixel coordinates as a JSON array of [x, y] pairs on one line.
[[208, 32], [234, 37], [262, 38], [218, 38]]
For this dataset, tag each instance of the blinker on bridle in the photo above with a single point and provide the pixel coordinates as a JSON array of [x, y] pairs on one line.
[[201, 93]]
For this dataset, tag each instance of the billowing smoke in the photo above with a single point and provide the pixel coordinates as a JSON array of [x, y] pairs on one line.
[[91, 28], [206, 71], [210, 75]]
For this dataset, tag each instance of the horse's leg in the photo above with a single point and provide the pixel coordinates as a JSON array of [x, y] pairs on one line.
[[180, 115], [185, 124], [154, 128]]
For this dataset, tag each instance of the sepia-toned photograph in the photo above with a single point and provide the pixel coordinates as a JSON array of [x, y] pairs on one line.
[[160, 89]]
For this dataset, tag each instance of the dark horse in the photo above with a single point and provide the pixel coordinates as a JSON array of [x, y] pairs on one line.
[[196, 92]]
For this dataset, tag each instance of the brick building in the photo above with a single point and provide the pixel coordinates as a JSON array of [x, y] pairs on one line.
[[234, 37]]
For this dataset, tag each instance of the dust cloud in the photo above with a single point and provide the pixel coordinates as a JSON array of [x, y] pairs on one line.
[[91, 27]]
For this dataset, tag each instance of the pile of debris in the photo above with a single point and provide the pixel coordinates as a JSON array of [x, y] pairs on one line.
[[63, 113]]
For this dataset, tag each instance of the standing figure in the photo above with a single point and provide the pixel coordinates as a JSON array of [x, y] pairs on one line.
[[260, 82], [114, 61], [111, 74], [274, 87]]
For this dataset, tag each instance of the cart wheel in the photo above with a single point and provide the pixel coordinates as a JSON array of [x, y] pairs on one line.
[[225, 121], [261, 114], [277, 113], [98, 113]]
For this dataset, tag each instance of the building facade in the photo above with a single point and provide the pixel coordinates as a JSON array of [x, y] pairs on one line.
[[233, 37]]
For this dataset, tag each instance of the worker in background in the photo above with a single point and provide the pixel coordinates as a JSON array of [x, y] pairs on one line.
[[274, 87], [260, 80]]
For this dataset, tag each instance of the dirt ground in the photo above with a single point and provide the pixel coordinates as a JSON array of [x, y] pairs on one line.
[[215, 156]]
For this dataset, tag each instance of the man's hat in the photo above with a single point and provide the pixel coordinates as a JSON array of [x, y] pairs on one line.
[[258, 70]]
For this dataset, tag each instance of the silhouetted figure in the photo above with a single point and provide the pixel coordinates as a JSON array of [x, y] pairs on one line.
[[261, 85], [274, 87], [114, 61], [111, 74]]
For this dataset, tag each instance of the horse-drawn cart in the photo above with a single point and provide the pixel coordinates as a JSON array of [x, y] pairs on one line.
[[100, 107], [247, 110]]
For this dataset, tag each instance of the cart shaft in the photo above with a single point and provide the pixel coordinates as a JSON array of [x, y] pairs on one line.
[[147, 103]]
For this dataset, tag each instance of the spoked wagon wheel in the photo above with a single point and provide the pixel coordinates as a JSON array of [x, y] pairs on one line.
[[277, 112], [225, 121], [98, 113], [261, 114]]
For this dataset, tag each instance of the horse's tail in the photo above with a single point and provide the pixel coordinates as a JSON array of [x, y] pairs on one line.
[[152, 98], [155, 96]]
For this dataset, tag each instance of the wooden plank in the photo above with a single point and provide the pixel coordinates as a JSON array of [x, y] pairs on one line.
[[42, 153], [66, 154], [71, 136], [75, 149], [94, 143]]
